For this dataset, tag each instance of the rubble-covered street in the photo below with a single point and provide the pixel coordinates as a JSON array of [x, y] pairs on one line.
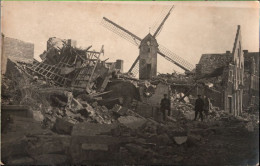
[[47, 124], [74, 92]]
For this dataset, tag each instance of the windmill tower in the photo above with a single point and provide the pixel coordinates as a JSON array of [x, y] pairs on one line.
[[148, 49], [148, 57]]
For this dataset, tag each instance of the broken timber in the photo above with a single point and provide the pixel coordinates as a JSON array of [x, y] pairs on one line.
[[72, 69]]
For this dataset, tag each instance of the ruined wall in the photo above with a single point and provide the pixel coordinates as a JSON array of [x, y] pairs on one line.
[[150, 106], [18, 50], [238, 74], [58, 43], [228, 88], [156, 98], [251, 78]]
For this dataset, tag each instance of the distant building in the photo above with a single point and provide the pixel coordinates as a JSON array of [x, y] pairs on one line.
[[251, 78], [120, 65], [226, 72]]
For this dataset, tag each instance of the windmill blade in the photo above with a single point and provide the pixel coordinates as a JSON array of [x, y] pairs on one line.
[[162, 22], [175, 59], [132, 38], [159, 19], [135, 70], [134, 64]]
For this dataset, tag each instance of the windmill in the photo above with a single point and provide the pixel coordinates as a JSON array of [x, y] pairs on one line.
[[148, 49]]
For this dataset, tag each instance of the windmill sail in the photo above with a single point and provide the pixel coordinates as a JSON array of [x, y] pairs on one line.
[[159, 19], [177, 60], [132, 38], [163, 21]]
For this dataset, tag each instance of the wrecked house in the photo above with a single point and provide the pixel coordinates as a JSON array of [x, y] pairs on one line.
[[47, 120], [65, 65], [225, 72], [251, 79]]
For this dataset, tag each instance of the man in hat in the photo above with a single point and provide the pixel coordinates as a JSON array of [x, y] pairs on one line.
[[199, 105], [165, 106]]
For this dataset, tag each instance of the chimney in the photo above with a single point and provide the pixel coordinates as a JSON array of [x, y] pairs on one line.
[[245, 51], [227, 52]]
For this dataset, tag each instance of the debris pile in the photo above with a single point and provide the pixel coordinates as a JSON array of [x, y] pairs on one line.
[[174, 78], [85, 111]]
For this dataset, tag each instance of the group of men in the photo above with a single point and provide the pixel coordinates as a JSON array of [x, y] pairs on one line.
[[200, 107]]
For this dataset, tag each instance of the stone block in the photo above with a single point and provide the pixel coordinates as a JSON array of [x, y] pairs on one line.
[[131, 121], [180, 140], [21, 161], [92, 129], [51, 159], [102, 147], [62, 126]]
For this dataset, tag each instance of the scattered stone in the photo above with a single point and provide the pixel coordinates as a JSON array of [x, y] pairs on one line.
[[102, 147], [62, 126], [178, 158], [250, 127], [51, 159], [92, 129], [180, 140], [160, 140], [137, 150], [131, 121], [21, 161]]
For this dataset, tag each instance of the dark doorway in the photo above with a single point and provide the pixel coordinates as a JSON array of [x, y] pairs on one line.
[[229, 105], [148, 67]]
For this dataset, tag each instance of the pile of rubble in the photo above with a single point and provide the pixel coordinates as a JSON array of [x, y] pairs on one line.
[[71, 120], [174, 78]]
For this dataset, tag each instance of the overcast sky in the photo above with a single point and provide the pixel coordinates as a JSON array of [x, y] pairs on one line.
[[193, 28]]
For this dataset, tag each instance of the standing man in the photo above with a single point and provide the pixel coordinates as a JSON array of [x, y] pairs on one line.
[[199, 105], [165, 105]]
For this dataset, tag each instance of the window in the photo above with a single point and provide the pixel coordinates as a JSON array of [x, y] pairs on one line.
[[252, 82], [230, 77]]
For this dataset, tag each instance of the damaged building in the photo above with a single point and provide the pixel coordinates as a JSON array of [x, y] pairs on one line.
[[251, 79], [72, 107], [232, 76]]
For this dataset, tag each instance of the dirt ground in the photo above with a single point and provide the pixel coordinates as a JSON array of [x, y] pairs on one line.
[[217, 142]]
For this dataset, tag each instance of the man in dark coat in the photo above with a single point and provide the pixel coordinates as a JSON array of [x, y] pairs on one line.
[[165, 106], [199, 105]]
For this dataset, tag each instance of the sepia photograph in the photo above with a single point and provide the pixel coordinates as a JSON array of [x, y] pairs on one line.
[[130, 83]]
